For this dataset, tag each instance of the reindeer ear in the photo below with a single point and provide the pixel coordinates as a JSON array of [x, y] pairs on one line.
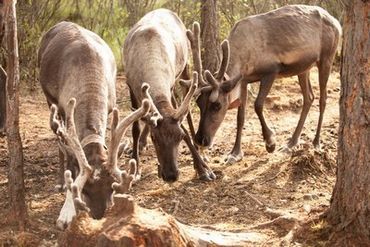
[[229, 85]]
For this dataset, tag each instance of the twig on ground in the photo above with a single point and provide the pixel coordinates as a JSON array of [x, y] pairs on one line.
[[255, 199], [272, 178]]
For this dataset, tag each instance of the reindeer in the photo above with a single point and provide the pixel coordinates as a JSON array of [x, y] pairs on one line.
[[284, 42], [77, 75], [156, 52]]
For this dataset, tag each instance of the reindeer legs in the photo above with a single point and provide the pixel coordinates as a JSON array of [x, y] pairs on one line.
[[143, 137], [204, 172], [304, 83], [324, 72], [236, 154], [135, 136], [268, 135]]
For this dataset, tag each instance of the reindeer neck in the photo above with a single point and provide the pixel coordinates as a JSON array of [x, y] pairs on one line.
[[91, 119], [164, 105]]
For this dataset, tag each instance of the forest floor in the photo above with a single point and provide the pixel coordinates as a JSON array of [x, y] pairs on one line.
[[299, 183]]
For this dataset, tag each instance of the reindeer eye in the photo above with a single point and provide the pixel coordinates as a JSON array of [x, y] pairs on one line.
[[216, 106]]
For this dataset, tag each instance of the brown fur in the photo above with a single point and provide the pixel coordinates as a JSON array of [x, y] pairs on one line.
[[76, 63], [156, 52], [284, 42]]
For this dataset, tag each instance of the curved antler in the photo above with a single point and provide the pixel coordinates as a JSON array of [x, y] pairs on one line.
[[194, 38], [215, 82], [156, 116], [184, 107], [225, 60], [118, 129], [215, 85], [68, 135]]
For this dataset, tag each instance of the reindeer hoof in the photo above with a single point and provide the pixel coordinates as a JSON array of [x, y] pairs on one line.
[[205, 177], [316, 145], [270, 147], [212, 175], [285, 149], [233, 158]]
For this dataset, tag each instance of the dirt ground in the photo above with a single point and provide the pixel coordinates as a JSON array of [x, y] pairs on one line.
[[300, 182]]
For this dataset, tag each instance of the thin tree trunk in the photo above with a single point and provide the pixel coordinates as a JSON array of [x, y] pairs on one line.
[[2, 76], [18, 210], [2, 100], [350, 207], [210, 35]]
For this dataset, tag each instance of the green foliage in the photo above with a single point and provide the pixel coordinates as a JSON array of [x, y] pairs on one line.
[[35, 17], [112, 19]]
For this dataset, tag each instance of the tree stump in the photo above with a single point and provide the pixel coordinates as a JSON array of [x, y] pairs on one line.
[[127, 224]]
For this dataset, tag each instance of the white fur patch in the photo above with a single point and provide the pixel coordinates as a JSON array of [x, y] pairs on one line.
[[67, 212]]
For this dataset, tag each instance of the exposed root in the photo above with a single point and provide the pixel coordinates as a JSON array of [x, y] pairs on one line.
[[286, 222]]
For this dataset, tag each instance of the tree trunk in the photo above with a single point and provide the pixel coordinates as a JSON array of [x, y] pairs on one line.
[[127, 224], [350, 207], [18, 210], [209, 34], [137, 9], [2, 76], [2, 99], [1, 21]]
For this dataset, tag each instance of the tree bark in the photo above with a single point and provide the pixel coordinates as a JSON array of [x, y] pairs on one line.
[[2, 99], [2, 76], [18, 210], [210, 35], [350, 207], [137, 9]]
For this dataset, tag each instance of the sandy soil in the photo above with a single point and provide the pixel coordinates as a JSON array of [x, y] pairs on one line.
[[298, 182]]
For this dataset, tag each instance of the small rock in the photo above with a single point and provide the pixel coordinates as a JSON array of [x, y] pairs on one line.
[[309, 197], [307, 208], [226, 178], [233, 209]]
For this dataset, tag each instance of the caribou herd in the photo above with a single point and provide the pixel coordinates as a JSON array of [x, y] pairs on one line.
[[78, 78]]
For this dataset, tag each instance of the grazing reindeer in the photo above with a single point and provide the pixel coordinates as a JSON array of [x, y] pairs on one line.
[[284, 42], [156, 52], [77, 75]]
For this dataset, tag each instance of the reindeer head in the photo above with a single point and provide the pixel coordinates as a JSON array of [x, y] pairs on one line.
[[92, 187], [166, 131], [213, 93]]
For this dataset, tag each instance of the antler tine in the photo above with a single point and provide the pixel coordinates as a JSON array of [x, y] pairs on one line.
[[69, 136], [126, 179], [215, 85], [194, 38], [211, 79], [184, 107], [225, 59], [118, 130], [55, 123], [156, 116], [78, 203]]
